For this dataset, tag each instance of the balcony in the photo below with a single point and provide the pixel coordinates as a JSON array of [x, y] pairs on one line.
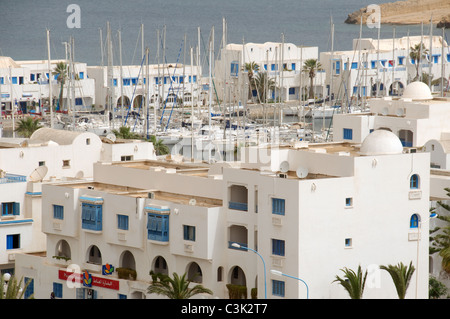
[[238, 206], [12, 178]]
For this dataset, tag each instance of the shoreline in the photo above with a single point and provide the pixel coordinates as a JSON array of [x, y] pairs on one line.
[[407, 12]]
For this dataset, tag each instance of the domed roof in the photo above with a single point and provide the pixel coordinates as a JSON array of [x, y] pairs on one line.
[[417, 91], [381, 142]]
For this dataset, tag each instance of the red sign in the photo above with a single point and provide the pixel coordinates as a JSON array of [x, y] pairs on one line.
[[96, 281]]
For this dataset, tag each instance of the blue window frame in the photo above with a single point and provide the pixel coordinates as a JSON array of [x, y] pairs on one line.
[[58, 212], [354, 65], [234, 69], [278, 288], [78, 101], [121, 296], [373, 64], [348, 242], [349, 202], [189, 232], [293, 66], [14, 80], [414, 221], [338, 67], [158, 227], [278, 247], [126, 82], [348, 133], [401, 60], [114, 82], [414, 181], [10, 209], [30, 288], [91, 216], [81, 75], [291, 91], [2, 80], [122, 222], [13, 241], [58, 289], [278, 206]]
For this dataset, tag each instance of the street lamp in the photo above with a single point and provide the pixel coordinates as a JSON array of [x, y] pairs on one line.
[[419, 223], [264, 264], [279, 273]]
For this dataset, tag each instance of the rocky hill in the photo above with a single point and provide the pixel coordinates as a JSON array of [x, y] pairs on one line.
[[408, 12]]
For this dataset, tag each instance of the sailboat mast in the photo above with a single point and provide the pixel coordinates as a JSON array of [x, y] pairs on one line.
[[430, 54]]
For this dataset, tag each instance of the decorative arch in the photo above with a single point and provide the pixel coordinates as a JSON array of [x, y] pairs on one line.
[[127, 260], [194, 273], [236, 276], [62, 249], [159, 265], [94, 255]]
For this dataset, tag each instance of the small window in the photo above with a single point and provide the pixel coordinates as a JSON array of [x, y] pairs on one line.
[[349, 202], [348, 134], [122, 222], [278, 206], [278, 288], [126, 158], [354, 65], [13, 241], [189, 232], [66, 163], [278, 247], [41, 163], [88, 141], [91, 216], [158, 227], [58, 212], [414, 182], [10, 209], [58, 290], [414, 221], [348, 242]]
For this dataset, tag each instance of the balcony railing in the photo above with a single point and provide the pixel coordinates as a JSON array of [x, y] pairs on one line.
[[12, 178], [238, 206]]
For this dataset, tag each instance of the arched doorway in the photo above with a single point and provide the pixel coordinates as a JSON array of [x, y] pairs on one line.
[[194, 273], [94, 255], [126, 101], [160, 266], [139, 102], [236, 276], [127, 260], [396, 88], [63, 249]]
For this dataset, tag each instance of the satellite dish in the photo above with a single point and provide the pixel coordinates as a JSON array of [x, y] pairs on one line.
[[192, 202], [400, 112], [111, 137], [302, 172], [79, 175], [384, 111], [38, 174], [284, 166]]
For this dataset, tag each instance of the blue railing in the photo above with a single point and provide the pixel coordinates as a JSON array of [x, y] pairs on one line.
[[12, 178], [238, 206]]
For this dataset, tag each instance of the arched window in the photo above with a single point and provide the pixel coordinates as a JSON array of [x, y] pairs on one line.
[[414, 182], [414, 221]]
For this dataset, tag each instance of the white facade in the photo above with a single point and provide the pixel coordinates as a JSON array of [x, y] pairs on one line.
[[48, 155], [356, 73], [270, 57], [26, 83], [351, 209]]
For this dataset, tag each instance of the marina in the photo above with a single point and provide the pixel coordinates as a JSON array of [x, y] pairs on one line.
[[133, 151]]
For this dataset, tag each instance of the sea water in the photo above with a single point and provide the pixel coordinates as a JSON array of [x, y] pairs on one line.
[[23, 25]]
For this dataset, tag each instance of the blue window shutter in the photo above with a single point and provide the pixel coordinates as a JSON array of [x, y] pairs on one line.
[[30, 289], [16, 209]]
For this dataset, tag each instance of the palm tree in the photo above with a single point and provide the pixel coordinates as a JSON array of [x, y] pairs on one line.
[[176, 288], [251, 69], [262, 88], [401, 276], [353, 282], [417, 53], [61, 71], [13, 288], [159, 146], [441, 241], [125, 133], [27, 126], [311, 66]]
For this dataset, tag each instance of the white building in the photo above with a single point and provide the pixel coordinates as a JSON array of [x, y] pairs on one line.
[[48, 155], [384, 66], [283, 63], [308, 210], [26, 84]]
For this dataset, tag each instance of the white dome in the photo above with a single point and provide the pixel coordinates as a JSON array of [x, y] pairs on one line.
[[381, 142], [417, 91]]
